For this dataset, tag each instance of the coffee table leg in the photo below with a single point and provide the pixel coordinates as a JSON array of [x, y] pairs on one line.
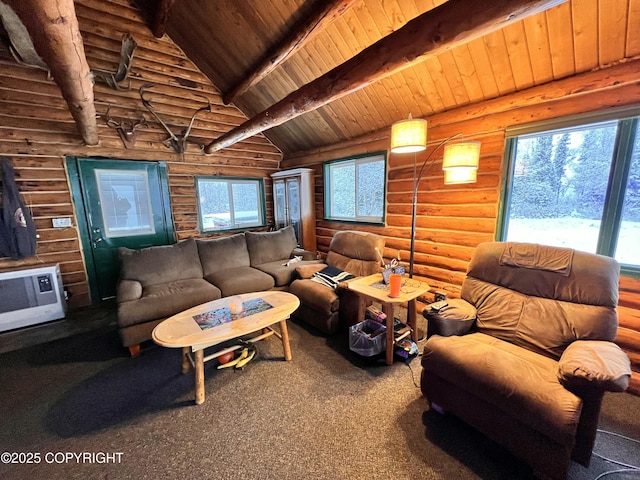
[[285, 340], [186, 364], [387, 309], [412, 319], [199, 369]]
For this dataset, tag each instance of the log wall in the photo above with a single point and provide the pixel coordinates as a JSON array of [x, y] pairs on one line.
[[37, 132], [453, 220]]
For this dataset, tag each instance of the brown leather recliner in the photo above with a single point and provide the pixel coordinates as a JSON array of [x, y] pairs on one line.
[[532, 371], [328, 309]]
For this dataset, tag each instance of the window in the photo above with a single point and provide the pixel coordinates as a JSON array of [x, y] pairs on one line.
[[229, 203], [355, 189], [577, 186]]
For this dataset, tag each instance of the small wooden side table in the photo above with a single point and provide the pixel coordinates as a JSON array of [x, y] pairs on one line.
[[372, 287]]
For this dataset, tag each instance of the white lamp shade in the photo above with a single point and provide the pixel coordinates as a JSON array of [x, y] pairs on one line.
[[459, 175], [408, 136], [459, 155]]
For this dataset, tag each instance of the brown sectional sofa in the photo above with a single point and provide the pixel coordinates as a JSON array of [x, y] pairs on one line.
[[157, 282]]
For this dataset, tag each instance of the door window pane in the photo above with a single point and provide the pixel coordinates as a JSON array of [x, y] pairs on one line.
[[229, 203], [627, 250], [125, 202], [559, 186]]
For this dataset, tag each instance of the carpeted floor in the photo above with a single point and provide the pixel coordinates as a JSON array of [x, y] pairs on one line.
[[325, 415]]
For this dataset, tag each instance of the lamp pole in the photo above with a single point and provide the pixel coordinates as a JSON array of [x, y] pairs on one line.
[[416, 183]]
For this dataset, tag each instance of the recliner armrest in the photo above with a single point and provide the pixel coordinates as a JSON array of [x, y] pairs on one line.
[[128, 290], [594, 363], [457, 318], [307, 271]]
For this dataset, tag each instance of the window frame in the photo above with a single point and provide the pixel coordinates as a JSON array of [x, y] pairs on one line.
[[356, 159], [230, 181], [628, 128]]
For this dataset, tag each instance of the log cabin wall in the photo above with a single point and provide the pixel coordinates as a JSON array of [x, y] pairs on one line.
[[453, 220], [37, 132]]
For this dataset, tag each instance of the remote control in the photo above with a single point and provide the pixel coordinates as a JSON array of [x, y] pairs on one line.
[[437, 306]]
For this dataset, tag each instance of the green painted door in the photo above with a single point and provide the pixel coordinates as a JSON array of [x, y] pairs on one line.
[[124, 204]]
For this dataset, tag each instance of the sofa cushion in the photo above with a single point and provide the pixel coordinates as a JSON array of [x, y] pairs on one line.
[[283, 274], [219, 254], [356, 252], [238, 280], [513, 379], [267, 247], [160, 264], [166, 299]]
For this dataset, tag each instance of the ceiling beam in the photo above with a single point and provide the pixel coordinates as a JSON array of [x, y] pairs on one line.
[[161, 17], [323, 14], [53, 28], [451, 24]]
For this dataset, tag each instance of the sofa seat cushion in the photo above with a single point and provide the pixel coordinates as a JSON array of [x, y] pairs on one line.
[[267, 247], [316, 296], [238, 280], [519, 382], [166, 299], [283, 274], [160, 264]]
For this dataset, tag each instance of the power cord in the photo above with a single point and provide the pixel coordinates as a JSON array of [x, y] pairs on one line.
[[632, 469]]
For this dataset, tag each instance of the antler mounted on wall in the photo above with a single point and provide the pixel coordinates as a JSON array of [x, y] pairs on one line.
[[177, 142], [125, 128], [126, 56]]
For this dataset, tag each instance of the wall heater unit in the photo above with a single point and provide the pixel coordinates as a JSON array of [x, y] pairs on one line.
[[31, 296]]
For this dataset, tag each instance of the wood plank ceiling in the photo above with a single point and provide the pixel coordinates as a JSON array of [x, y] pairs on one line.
[[226, 39]]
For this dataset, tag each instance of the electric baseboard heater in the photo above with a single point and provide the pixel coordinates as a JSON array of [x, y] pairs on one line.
[[31, 296]]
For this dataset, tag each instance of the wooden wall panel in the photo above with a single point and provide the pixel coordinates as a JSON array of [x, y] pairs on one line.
[[454, 219], [37, 132]]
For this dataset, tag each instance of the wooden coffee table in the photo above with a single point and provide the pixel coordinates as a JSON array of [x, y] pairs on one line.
[[211, 323], [371, 287]]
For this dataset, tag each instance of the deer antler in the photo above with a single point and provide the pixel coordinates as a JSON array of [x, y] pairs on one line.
[[126, 57], [126, 128], [177, 142]]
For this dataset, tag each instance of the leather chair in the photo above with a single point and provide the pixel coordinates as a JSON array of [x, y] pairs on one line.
[[328, 309], [532, 370]]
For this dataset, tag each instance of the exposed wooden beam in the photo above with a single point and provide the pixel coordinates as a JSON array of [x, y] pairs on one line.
[[53, 28], [323, 14], [161, 17], [449, 25]]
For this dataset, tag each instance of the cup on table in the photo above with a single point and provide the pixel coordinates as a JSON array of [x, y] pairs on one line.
[[395, 279], [235, 305]]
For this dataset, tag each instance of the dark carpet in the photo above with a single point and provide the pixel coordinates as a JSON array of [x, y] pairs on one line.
[[327, 414]]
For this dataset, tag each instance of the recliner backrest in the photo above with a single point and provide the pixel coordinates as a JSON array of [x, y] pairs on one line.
[[540, 297], [355, 252]]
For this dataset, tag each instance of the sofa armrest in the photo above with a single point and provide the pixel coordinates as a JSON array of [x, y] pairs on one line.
[[456, 318], [594, 363], [307, 271], [305, 254], [128, 290]]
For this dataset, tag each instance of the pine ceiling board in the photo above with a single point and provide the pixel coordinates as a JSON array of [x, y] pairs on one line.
[[468, 73], [561, 40], [516, 42], [633, 33], [487, 80], [613, 30], [454, 77], [436, 104], [499, 61], [416, 84], [537, 35], [585, 34], [440, 80]]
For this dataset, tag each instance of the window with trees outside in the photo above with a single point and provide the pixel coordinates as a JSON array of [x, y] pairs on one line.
[[355, 189], [226, 203], [577, 186]]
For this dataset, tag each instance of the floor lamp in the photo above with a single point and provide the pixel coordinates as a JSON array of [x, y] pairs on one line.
[[460, 162]]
